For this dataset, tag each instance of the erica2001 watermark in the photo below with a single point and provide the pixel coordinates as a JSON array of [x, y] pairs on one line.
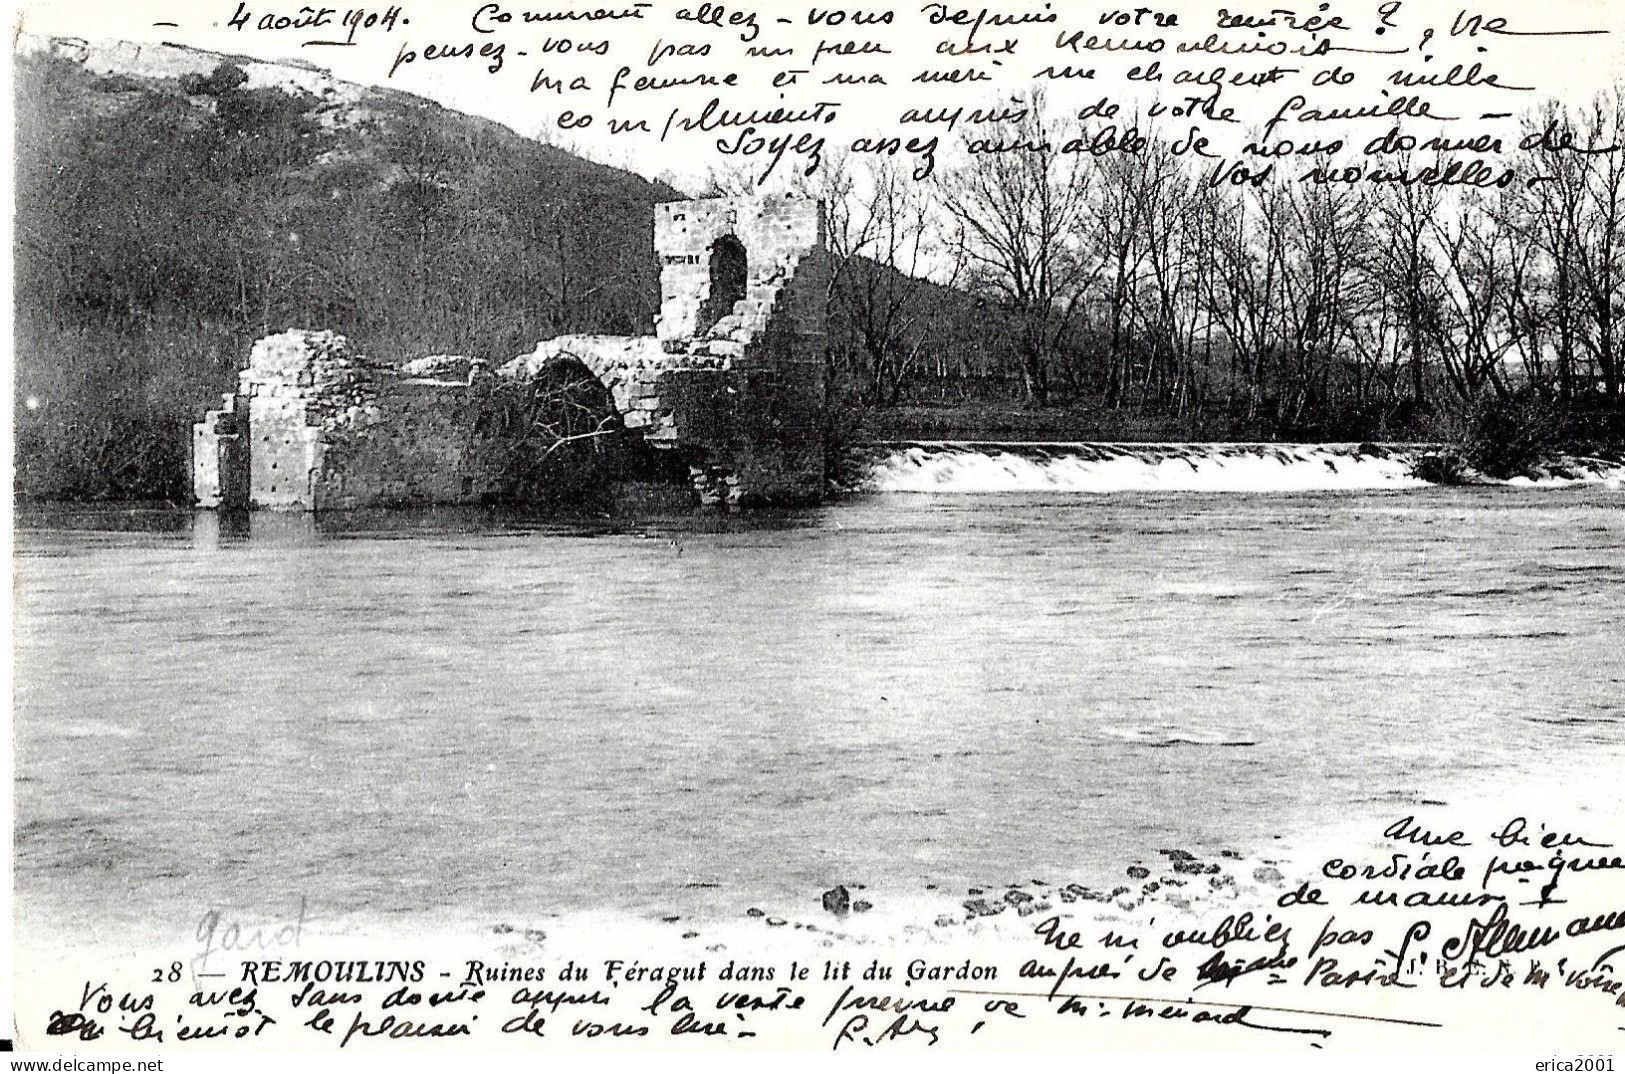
[[1580, 1064]]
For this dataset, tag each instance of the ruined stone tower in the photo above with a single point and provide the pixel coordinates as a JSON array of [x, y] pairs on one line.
[[744, 283], [732, 382]]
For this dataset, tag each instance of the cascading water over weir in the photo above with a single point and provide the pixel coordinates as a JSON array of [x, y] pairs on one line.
[[994, 467]]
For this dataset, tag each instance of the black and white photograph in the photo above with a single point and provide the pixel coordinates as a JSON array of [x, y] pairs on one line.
[[878, 532]]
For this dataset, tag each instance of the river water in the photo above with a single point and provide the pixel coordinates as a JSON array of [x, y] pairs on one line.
[[471, 717]]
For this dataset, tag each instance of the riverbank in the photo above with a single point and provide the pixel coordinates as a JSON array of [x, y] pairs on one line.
[[1013, 422], [1346, 935]]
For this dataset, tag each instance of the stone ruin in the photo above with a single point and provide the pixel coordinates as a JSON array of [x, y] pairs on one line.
[[731, 386]]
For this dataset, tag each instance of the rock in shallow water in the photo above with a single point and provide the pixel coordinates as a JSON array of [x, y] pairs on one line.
[[982, 908], [837, 900]]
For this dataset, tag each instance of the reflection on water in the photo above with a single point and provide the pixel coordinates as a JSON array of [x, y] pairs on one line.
[[209, 530], [486, 715]]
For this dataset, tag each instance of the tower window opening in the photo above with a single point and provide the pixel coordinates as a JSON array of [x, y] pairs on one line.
[[729, 272]]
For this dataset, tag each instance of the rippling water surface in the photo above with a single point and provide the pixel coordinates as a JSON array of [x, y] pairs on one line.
[[473, 717]]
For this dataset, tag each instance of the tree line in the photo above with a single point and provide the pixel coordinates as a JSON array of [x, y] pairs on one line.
[[1125, 281]]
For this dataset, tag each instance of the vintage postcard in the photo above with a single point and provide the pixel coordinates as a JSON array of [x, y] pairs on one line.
[[885, 532]]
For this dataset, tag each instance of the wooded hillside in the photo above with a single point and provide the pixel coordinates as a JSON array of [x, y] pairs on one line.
[[164, 224]]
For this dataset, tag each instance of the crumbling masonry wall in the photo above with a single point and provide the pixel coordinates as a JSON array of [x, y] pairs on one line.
[[735, 390], [314, 426]]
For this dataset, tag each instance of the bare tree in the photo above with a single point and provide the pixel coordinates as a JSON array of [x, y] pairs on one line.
[[881, 236], [1574, 214], [1602, 251], [1114, 225], [1178, 261], [1018, 205], [1478, 260], [1404, 273]]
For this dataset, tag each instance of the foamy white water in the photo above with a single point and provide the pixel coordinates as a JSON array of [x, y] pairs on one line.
[[974, 467], [1578, 470], [971, 467]]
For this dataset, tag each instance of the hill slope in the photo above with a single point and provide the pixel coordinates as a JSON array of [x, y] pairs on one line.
[[174, 205]]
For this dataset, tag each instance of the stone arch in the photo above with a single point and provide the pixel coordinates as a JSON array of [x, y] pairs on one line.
[[729, 275], [565, 433], [604, 382], [582, 395]]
